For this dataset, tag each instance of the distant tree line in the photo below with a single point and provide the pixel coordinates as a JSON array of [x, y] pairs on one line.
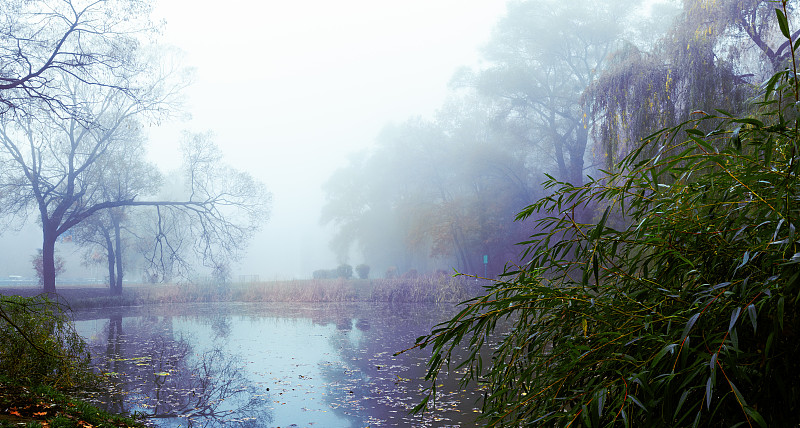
[[565, 90]]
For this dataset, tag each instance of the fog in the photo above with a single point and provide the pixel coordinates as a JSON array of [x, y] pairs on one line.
[[406, 137], [287, 189], [290, 89]]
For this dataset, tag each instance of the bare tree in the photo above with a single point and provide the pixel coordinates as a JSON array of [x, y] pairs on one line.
[[93, 41], [219, 212], [123, 175], [62, 168]]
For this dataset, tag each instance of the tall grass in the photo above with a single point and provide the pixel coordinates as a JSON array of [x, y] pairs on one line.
[[426, 289], [422, 289]]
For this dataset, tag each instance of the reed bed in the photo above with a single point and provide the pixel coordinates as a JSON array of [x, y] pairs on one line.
[[426, 289], [421, 289]]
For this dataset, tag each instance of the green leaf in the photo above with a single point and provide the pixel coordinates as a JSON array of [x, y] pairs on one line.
[[738, 394], [753, 414], [751, 311], [780, 312], [680, 403], [750, 121], [689, 325], [745, 259], [737, 140], [669, 348], [637, 402], [783, 23], [734, 317], [709, 392], [735, 339], [601, 400]]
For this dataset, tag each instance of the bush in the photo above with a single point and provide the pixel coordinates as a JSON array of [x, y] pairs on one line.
[[344, 271], [363, 271], [678, 306], [322, 274], [40, 345]]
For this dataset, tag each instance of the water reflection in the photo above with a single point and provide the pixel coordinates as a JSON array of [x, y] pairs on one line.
[[330, 365], [156, 374]]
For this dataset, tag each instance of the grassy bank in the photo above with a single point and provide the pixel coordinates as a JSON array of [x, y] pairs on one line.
[[41, 358], [422, 289], [44, 406]]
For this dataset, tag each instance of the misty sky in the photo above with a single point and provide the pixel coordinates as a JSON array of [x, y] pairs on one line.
[[290, 89]]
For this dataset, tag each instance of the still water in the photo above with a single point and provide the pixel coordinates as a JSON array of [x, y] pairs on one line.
[[272, 364]]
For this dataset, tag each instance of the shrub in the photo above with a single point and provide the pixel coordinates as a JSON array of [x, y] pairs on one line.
[[344, 271], [363, 271], [40, 344], [677, 307], [320, 274]]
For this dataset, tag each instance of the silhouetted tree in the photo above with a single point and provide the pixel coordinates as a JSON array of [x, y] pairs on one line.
[[91, 41]]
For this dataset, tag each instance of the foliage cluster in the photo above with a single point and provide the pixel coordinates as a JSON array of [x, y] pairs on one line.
[[38, 266], [344, 271], [363, 271], [678, 306], [40, 345]]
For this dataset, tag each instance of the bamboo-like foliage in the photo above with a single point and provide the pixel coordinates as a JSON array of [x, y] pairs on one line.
[[677, 306]]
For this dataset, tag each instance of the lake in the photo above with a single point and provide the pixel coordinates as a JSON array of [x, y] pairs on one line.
[[272, 364]]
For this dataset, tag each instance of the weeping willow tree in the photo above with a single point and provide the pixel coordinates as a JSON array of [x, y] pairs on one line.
[[713, 58], [684, 311]]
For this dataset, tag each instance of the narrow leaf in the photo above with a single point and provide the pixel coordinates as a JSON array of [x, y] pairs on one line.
[[682, 400], [734, 317], [709, 391], [751, 310], [745, 259], [753, 414], [601, 400], [637, 402], [739, 396], [689, 325], [783, 23]]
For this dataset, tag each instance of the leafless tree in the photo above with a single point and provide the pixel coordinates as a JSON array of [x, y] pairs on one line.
[[66, 169], [123, 175], [92, 41], [221, 209]]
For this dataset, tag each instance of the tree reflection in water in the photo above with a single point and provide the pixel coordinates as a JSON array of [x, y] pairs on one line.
[[156, 375]]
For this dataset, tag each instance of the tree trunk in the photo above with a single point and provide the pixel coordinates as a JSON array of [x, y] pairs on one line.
[[48, 259], [576, 154], [111, 259], [118, 239]]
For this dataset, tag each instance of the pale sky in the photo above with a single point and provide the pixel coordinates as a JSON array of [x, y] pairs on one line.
[[291, 88]]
